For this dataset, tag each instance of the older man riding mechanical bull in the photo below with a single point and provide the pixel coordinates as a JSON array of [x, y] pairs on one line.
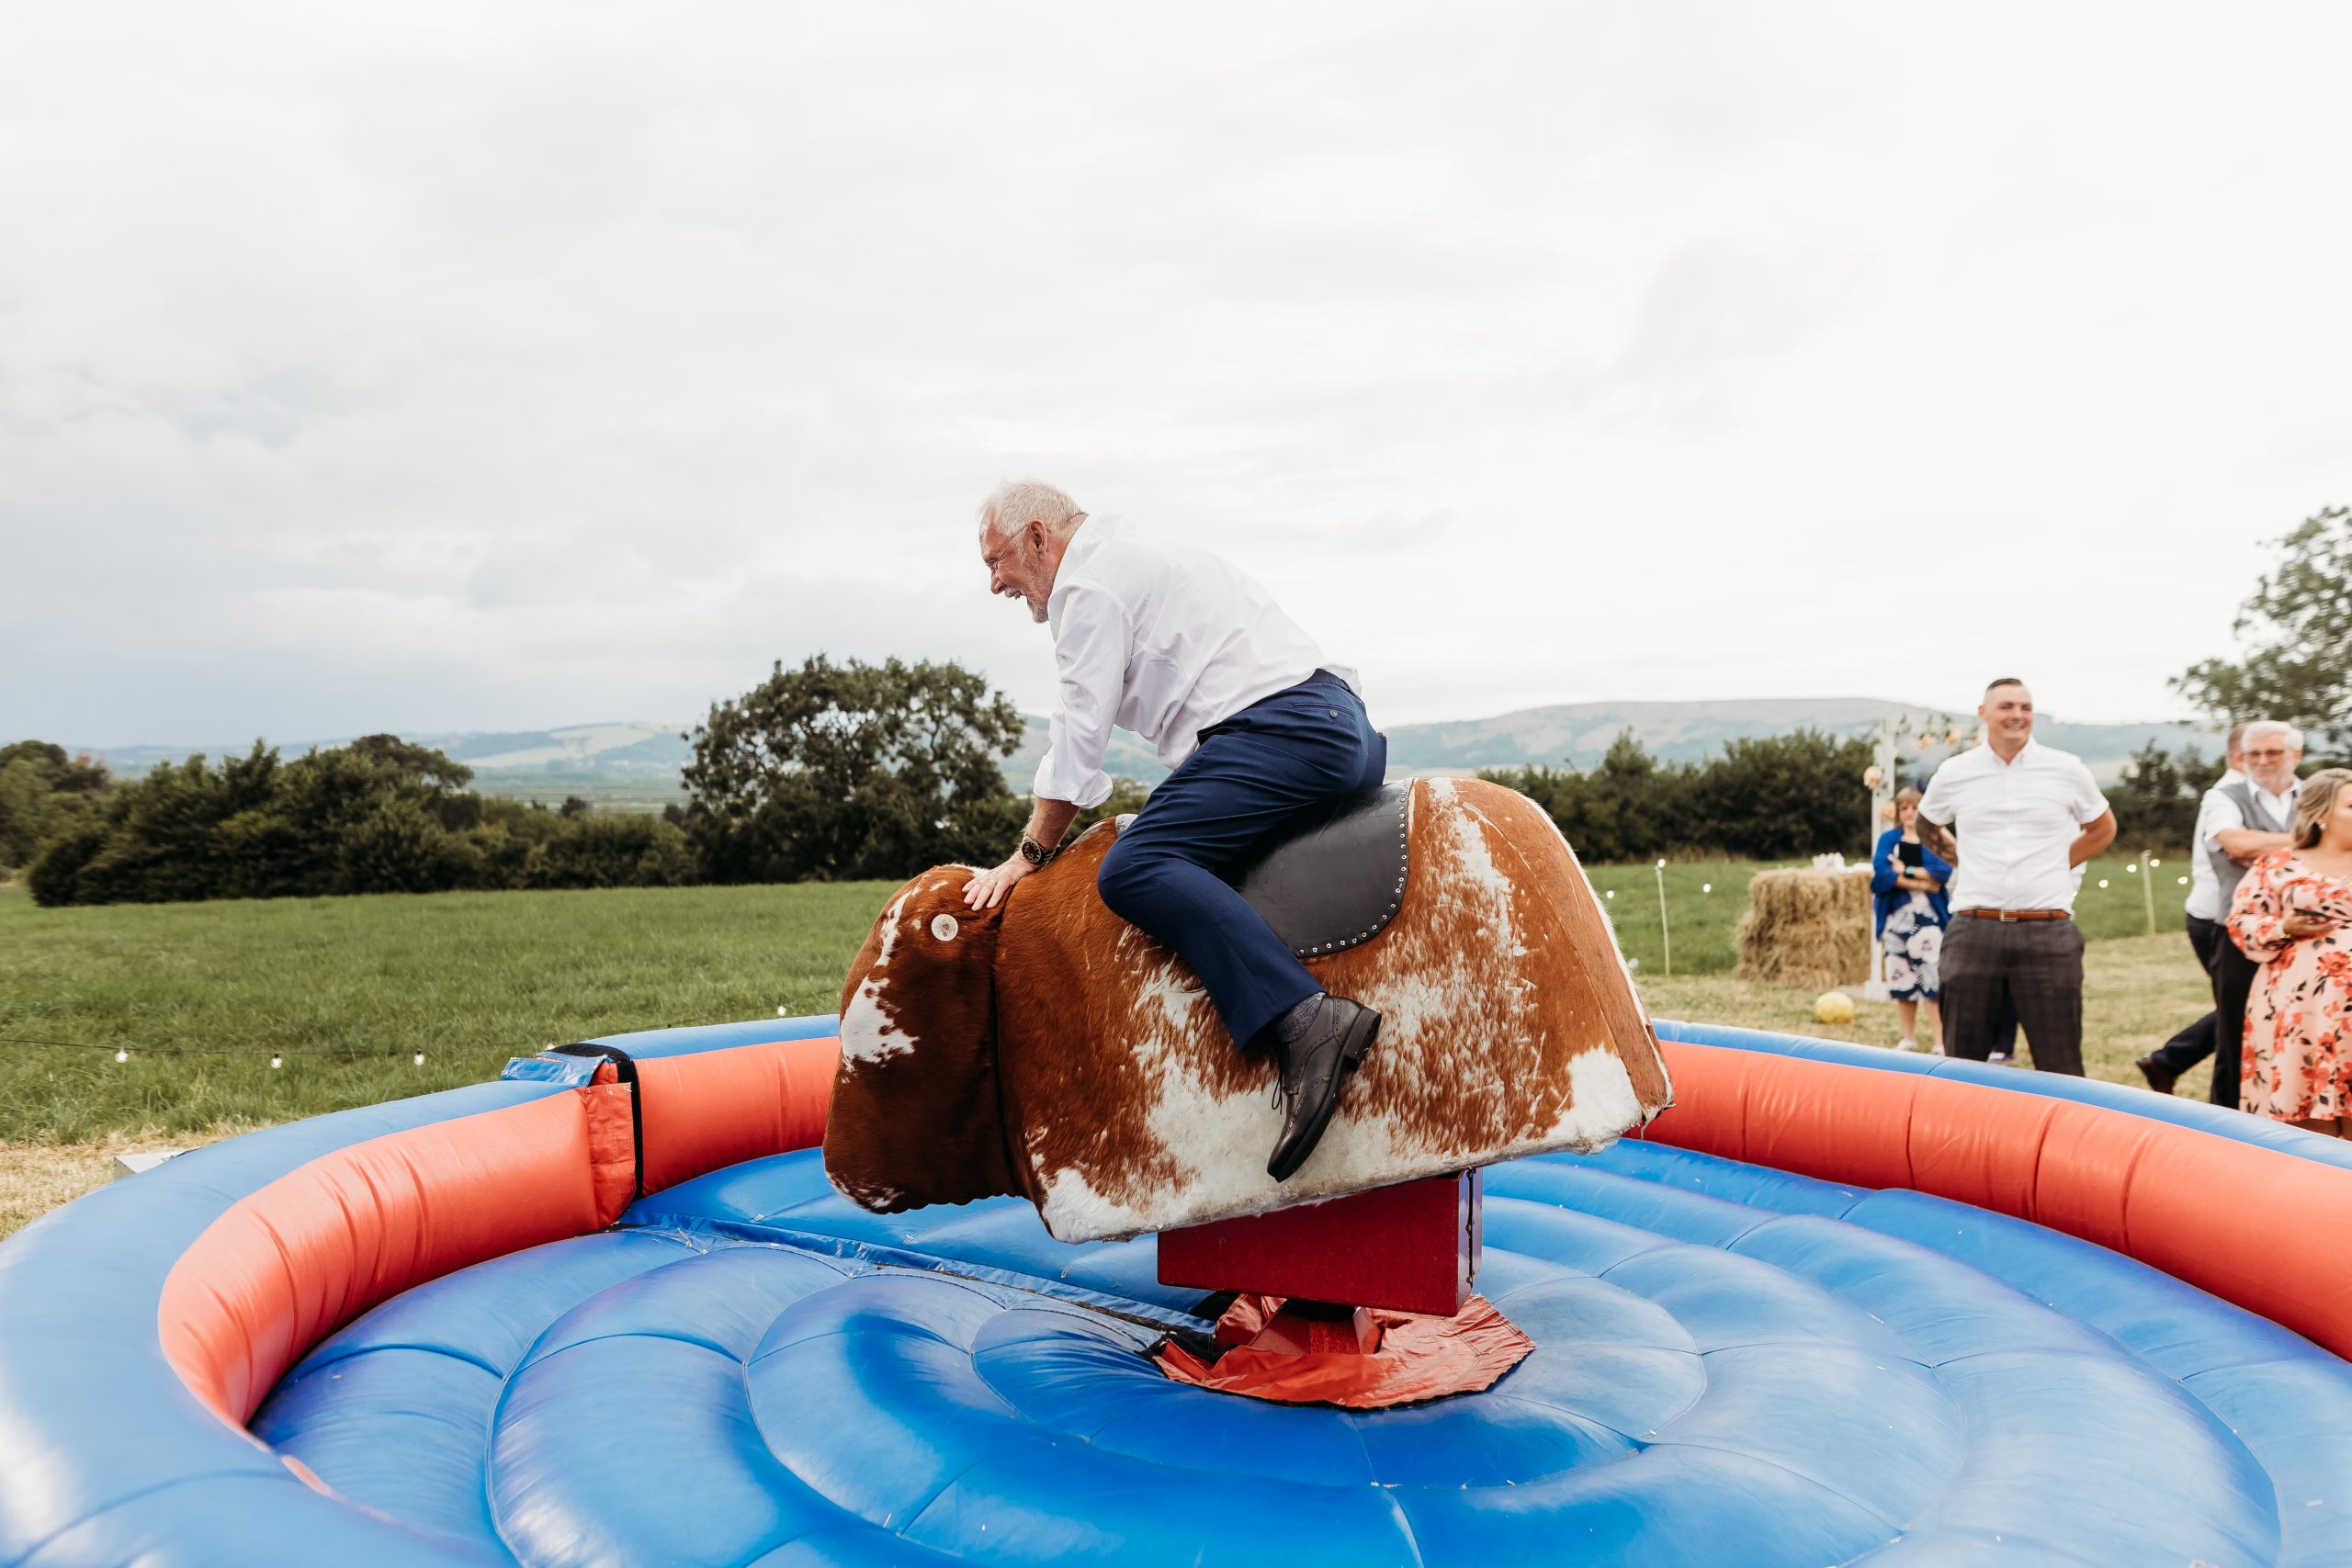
[[1097, 1027]]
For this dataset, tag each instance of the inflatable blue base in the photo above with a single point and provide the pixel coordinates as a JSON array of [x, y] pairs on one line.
[[1733, 1366]]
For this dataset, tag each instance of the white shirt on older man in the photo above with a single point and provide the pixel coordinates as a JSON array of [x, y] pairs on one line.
[[1162, 639], [2016, 820]]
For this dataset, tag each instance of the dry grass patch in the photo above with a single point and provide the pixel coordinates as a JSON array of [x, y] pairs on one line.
[[36, 1176], [2136, 992]]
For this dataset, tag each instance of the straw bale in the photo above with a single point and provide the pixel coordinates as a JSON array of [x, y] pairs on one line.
[[1807, 928]]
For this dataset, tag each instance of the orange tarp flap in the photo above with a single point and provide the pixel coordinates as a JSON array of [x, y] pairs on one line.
[[1420, 1356], [2249, 1225], [717, 1108], [294, 1261]]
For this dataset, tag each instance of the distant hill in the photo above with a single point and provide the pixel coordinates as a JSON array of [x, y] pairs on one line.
[[1579, 733], [637, 763]]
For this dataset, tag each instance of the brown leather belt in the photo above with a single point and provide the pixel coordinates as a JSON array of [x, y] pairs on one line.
[[2007, 915]]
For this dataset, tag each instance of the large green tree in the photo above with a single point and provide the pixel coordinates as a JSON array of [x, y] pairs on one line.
[[2297, 632], [44, 794], [832, 772]]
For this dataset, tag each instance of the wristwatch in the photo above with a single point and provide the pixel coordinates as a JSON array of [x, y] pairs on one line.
[[1033, 852]]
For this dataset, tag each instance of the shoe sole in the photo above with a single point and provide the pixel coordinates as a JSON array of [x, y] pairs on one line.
[[1353, 1051]]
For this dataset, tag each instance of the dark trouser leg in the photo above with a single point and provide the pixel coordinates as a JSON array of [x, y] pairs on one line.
[[2234, 976], [2196, 1043], [2046, 979], [1273, 762], [1973, 989]]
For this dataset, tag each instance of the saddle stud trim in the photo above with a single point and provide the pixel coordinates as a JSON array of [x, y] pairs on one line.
[[1403, 794]]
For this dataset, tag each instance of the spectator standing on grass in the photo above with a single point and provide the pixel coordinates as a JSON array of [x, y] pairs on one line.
[[1909, 880], [2023, 816], [2207, 907], [2237, 825], [2292, 915]]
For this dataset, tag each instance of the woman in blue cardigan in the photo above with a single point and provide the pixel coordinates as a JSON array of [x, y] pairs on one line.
[[1912, 913]]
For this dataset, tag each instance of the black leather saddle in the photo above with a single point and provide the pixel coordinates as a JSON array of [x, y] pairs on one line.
[[1335, 880]]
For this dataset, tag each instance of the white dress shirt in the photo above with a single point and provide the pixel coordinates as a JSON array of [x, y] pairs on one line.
[[2016, 821], [2216, 814], [2204, 888], [1162, 639]]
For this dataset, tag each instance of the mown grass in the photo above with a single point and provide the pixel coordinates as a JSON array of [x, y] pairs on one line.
[[1705, 898], [348, 990]]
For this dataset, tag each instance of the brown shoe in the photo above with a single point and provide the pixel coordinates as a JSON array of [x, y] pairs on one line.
[[2160, 1078]]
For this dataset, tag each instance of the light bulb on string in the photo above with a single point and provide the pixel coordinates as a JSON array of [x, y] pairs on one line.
[[122, 1055], [420, 1058], [275, 1061]]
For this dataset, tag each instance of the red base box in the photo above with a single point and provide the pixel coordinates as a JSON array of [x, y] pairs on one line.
[[1413, 1247]]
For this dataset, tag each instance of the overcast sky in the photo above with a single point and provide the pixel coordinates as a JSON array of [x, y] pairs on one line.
[[467, 367]]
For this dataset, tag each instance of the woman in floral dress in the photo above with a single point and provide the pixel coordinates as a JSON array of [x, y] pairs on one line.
[[1908, 881], [2293, 916]]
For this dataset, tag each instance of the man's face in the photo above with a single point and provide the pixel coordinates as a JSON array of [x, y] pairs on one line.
[[2007, 714], [2271, 762], [1016, 563]]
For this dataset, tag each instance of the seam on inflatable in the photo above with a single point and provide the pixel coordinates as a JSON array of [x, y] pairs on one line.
[[882, 1255], [1813, 1481], [33, 1552], [314, 1362]]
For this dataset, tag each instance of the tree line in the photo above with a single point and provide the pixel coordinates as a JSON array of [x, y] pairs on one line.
[[839, 771]]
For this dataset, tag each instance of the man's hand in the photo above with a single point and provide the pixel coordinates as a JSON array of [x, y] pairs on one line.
[[2299, 926], [990, 888]]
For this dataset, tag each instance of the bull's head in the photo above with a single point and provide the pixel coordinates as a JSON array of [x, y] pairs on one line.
[[915, 1117]]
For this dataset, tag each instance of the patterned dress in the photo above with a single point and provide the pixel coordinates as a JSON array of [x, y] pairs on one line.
[[1914, 939], [2298, 1060]]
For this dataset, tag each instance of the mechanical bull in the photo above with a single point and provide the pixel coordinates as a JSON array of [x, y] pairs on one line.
[[1048, 1048]]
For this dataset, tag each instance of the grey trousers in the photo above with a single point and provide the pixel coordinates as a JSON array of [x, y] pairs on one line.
[[2037, 965]]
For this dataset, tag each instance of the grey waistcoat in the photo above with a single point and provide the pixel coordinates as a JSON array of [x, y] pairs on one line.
[[2253, 806]]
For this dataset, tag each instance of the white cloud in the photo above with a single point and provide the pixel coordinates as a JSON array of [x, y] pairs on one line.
[[436, 367]]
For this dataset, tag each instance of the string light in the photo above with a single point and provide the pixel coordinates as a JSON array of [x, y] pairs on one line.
[[2133, 866], [420, 1058], [2182, 879], [1706, 888], [122, 1055], [1611, 894], [2102, 882], [275, 1061]]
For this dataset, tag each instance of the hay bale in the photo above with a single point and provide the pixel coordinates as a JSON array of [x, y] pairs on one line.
[[1807, 928]]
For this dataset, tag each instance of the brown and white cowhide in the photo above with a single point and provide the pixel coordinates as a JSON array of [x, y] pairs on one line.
[[1048, 1048]]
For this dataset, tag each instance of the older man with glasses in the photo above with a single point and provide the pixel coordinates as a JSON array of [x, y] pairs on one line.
[[2238, 822]]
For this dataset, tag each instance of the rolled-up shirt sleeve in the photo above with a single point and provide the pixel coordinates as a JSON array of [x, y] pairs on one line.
[[1090, 663], [2088, 803]]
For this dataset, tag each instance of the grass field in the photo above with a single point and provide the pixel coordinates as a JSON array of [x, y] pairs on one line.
[[348, 991], [1704, 901]]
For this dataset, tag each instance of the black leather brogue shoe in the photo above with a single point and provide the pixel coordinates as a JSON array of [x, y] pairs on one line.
[[1313, 1068], [2160, 1078]]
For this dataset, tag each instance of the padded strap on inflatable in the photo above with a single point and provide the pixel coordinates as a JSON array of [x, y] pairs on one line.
[[622, 1069]]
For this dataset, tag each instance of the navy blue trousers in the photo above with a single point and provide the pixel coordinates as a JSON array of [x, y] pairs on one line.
[[1276, 761]]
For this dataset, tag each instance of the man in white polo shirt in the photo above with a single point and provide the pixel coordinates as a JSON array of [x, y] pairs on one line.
[[2024, 816]]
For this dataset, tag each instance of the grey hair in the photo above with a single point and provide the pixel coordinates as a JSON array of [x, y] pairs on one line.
[[2261, 727], [1018, 502], [2317, 800]]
